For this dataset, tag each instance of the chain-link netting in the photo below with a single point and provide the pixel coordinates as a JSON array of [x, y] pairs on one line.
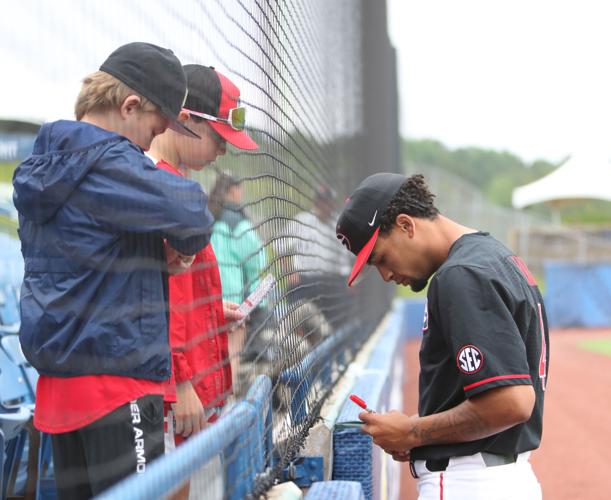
[[318, 81]]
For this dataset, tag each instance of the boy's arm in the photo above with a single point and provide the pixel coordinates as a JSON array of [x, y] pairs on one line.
[[181, 301], [188, 410], [132, 195]]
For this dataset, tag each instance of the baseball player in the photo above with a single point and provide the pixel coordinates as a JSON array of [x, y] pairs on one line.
[[484, 354]]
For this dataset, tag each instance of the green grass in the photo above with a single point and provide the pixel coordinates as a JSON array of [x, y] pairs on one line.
[[540, 282], [6, 171], [8, 226], [407, 292], [601, 346]]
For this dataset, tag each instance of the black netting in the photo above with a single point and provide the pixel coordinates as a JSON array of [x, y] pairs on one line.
[[319, 81]]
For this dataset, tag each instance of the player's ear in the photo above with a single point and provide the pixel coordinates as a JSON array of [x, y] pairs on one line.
[[405, 223]]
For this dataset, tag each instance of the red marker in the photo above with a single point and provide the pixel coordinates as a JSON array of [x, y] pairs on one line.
[[360, 402]]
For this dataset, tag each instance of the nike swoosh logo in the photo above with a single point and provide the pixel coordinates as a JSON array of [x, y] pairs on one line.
[[374, 219]]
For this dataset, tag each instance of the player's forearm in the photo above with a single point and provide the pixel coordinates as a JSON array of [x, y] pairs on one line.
[[484, 415]]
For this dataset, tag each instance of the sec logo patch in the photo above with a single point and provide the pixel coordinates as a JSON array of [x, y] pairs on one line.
[[469, 359]]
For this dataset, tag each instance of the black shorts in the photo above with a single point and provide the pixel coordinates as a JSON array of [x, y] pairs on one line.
[[93, 458]]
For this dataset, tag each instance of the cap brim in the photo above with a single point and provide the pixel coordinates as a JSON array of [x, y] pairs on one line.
[[176, 126], [363, 257], [237, 138]]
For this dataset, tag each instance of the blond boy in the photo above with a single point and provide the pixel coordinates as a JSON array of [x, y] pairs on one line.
[[94, 213]]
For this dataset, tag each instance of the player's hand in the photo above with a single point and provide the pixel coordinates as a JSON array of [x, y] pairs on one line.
[[389, 431], [188, 410], [177, 262], [232, 315]]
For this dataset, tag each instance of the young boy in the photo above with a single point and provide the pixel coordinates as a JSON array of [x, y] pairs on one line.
[[94, 213], [198, 330]]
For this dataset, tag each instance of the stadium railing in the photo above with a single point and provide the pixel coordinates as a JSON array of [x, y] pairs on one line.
[[243, 435]]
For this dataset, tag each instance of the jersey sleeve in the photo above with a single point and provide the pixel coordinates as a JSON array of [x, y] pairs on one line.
[[475, 314], [181, 305]]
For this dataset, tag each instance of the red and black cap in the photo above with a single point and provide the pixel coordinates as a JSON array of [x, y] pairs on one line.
[[358, 225], [212, 93], [154, 72]]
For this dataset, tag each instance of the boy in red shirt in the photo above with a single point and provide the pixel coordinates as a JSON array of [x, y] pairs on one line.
[[198, 316]]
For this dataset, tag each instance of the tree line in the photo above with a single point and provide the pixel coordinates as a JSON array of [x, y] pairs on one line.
[[496, 174]]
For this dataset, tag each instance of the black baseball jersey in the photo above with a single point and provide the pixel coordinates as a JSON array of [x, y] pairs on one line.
[[484, 327]]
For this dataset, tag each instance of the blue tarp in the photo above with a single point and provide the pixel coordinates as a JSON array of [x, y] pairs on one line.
[[578, 295]]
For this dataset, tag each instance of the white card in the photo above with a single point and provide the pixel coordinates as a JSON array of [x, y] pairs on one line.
[[257, 295]]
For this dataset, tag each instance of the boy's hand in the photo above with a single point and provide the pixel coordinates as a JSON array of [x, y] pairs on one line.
[[232, 315], [188, 410]]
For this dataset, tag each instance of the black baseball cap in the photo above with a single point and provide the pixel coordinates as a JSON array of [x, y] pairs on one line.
[[154, 72], [358, 225]]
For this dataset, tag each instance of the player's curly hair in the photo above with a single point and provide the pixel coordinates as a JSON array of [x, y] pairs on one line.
[[414, 198]]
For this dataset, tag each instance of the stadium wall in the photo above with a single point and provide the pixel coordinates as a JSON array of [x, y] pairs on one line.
[[578, 295]]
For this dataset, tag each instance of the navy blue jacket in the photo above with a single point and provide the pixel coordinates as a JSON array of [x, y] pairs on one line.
[[93, 214]]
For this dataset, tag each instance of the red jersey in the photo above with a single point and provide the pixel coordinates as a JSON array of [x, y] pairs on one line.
[[197, 327]]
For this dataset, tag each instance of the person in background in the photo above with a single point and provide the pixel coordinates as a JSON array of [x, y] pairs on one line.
[[241, 261], [233, 236], [198, 316], [316, 262], [93, 221]]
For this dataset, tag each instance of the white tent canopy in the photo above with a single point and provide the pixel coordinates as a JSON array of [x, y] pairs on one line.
[[580, 177]]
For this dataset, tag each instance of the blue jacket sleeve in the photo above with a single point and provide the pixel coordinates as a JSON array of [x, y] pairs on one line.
[[129, 193]]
